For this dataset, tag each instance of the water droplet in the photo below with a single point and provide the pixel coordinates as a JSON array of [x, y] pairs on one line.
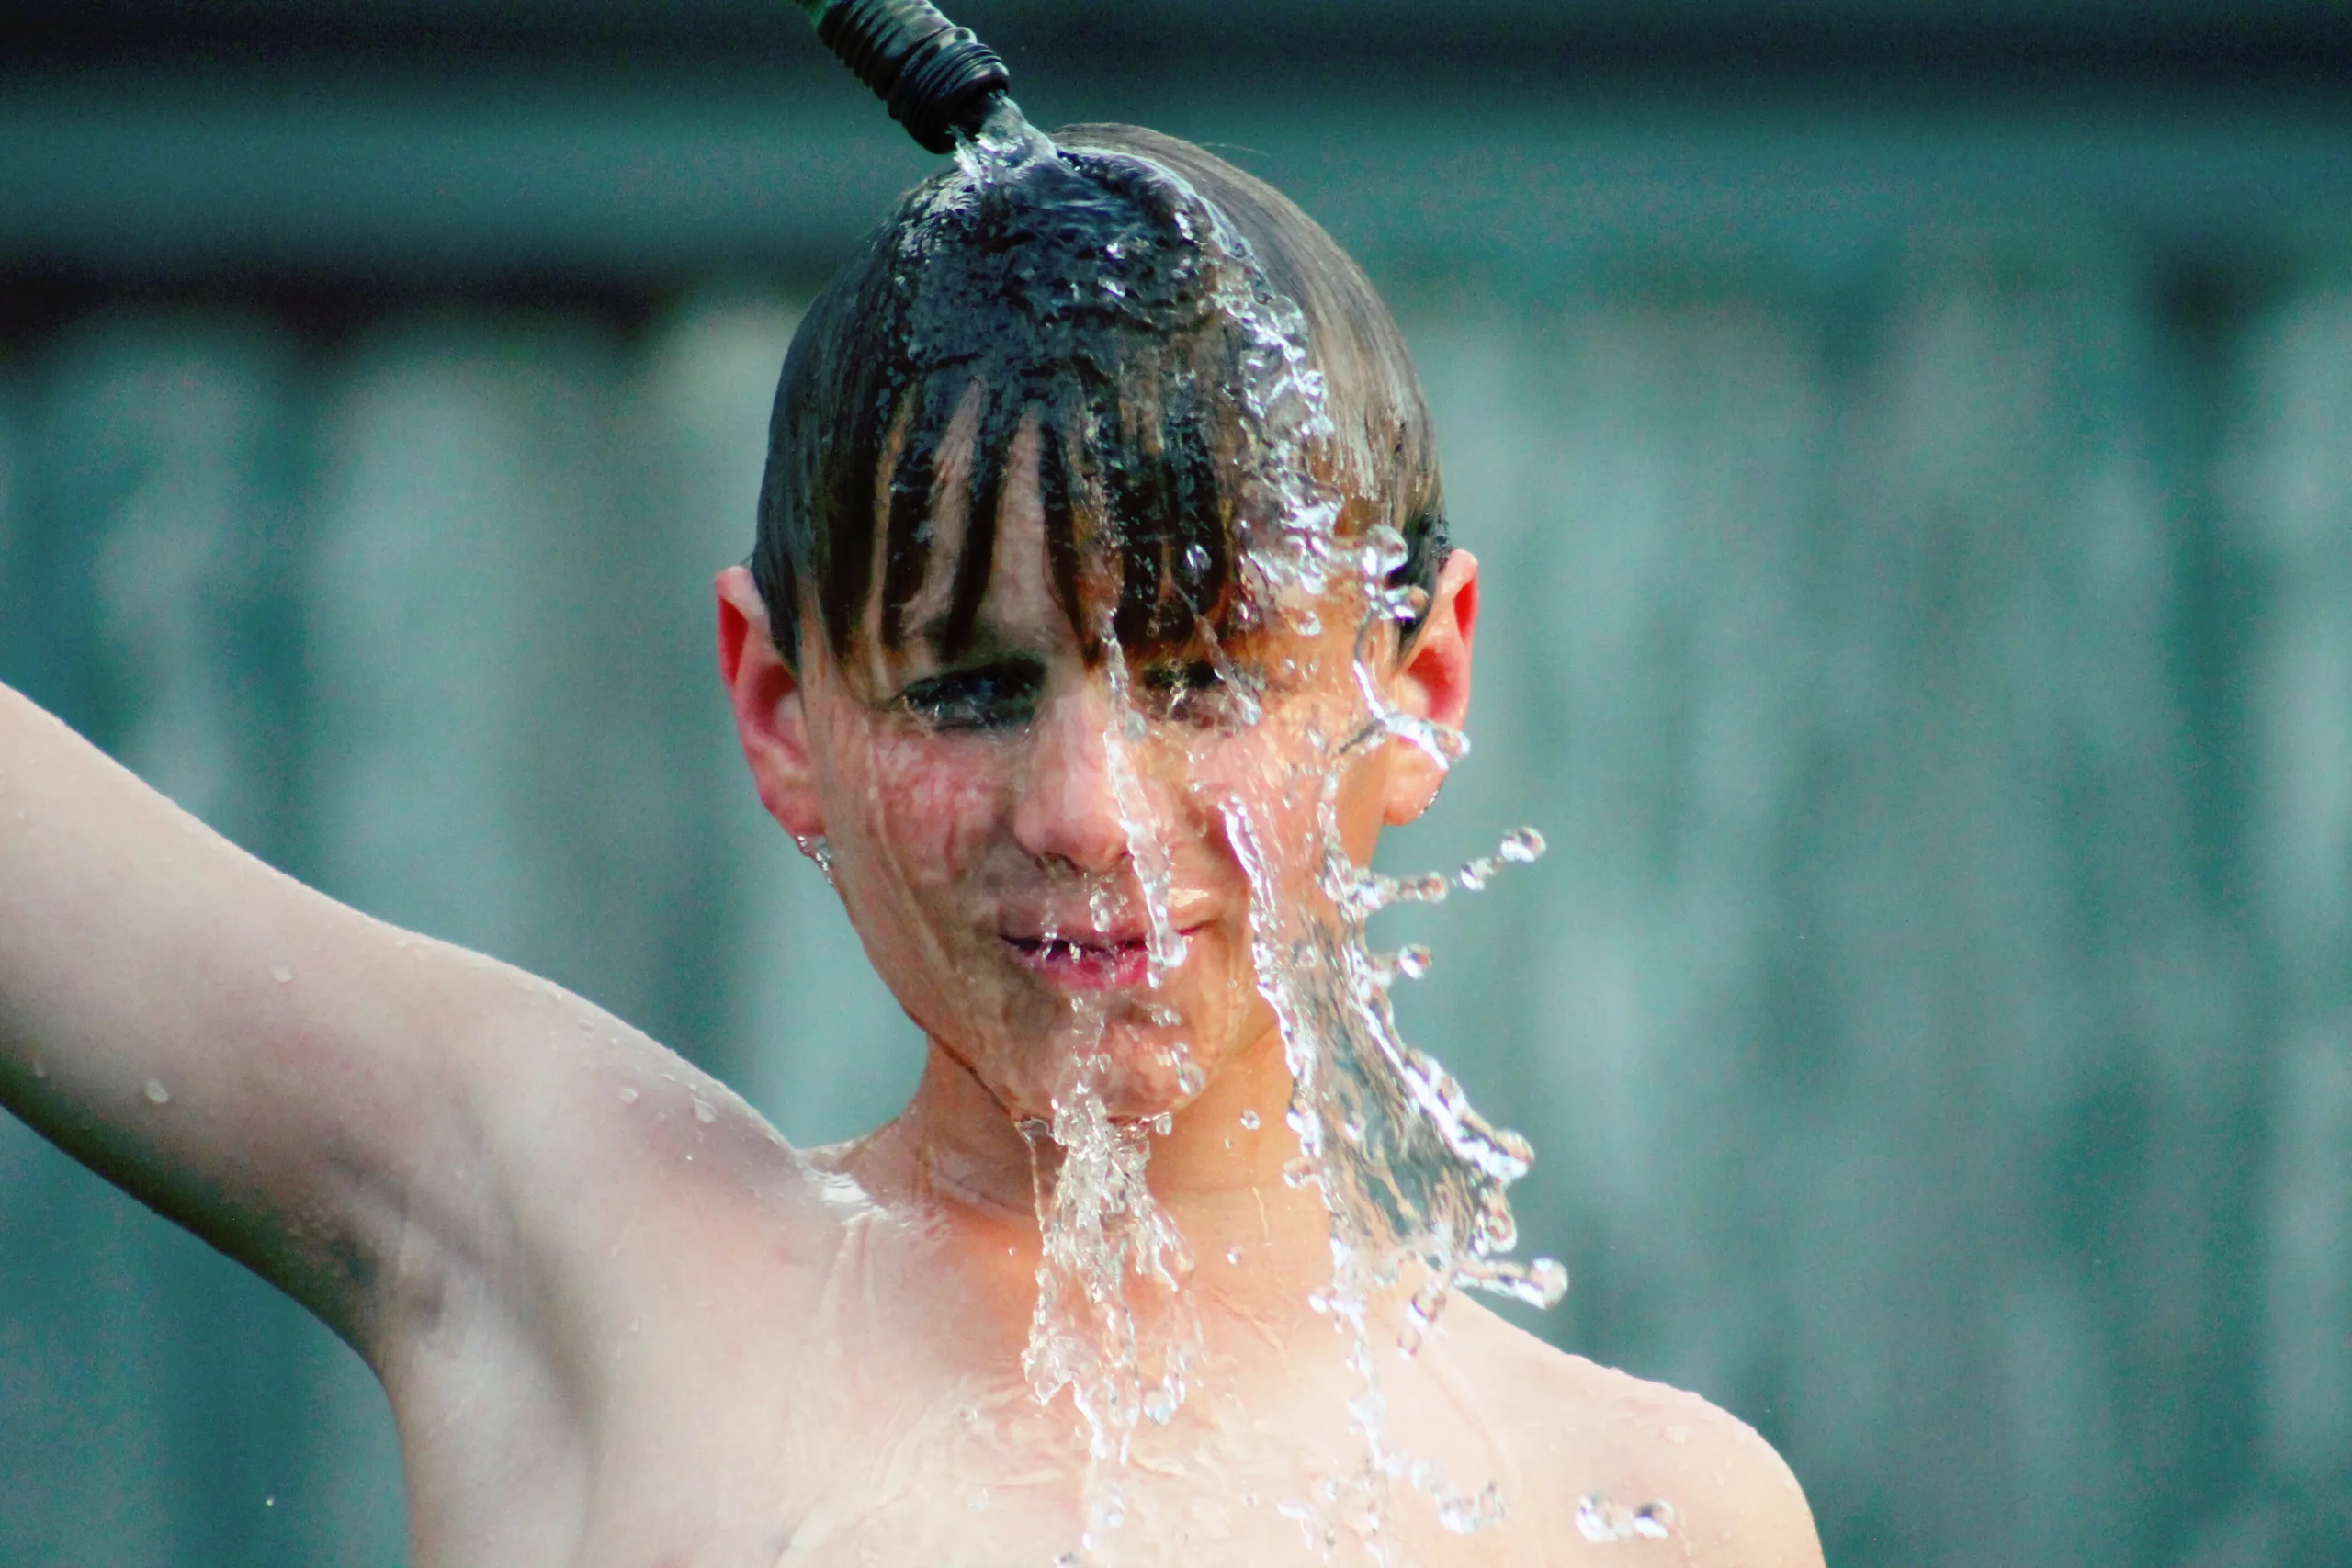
[[703, 1112], [40, 1068], [1413, 962], [629, 1095], [1468, 1515], [1524, 845], [1599, 1519], [282, 974], [156, 1093], [1250, 1121], [1233, 1256], [1678, 1436], [821, 855]]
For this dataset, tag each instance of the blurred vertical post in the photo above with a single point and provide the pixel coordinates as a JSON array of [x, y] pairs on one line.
[[2291, 486]]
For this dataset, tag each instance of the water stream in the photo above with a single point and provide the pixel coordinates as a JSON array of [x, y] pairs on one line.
[[1414, 1179]]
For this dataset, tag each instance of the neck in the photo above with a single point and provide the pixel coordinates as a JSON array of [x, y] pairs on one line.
[[1218, 1172]]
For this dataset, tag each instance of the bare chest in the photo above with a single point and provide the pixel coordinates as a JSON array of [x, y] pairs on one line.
[[863, 1463], [718, 1413]]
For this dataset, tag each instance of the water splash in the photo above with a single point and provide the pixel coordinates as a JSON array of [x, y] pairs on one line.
[[1414, 1179]]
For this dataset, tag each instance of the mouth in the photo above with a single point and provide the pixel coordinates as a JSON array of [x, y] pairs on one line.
[[1107, 961]]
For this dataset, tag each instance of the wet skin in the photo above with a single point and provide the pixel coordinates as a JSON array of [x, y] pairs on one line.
[[621, 1323], [977, 838]]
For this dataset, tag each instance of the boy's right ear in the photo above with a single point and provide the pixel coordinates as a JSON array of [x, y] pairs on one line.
[[771, 718]]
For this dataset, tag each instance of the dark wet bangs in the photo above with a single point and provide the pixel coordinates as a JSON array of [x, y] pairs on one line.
[[1078, 294], [1136, 480]]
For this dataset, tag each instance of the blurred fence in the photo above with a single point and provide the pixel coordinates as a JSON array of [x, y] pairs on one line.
[[1935, 1018]]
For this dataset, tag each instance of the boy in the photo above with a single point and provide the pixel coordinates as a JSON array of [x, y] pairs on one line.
[[1025, 660]]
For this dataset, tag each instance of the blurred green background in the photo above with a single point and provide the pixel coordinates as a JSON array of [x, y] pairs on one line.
[[1911, 446]]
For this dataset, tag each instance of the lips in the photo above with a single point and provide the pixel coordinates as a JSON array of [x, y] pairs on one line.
[[1098, 963], [1091, 962]]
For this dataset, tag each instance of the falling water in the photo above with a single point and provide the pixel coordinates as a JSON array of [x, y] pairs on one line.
[[1414, 1179], [1101, 1228]]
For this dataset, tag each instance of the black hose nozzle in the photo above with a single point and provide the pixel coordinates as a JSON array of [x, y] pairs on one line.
[[937, 78]]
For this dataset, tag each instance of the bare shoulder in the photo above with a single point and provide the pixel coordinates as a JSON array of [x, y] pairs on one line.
[[1615, 1460]]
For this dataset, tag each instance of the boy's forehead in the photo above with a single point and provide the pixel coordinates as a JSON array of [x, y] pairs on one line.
[[1017, 611], [1019, 591]]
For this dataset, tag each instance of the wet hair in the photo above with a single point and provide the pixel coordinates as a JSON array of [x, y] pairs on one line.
[[1087, 293]]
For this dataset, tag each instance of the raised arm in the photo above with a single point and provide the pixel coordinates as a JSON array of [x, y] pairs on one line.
[[306, 1087]]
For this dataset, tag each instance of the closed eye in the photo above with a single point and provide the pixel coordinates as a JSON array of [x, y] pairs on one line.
[[1194, 690], [1187, 675], [988, 696]]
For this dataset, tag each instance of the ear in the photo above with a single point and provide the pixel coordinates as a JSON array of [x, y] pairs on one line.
[[771, 718], [1432, 682]]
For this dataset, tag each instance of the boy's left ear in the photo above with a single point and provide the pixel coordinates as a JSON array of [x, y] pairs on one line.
[[1432, 682]]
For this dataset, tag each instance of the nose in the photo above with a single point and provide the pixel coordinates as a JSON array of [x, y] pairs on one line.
[[1069, 808]]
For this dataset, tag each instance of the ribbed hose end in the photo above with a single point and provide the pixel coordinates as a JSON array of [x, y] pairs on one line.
[[937, 78]]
